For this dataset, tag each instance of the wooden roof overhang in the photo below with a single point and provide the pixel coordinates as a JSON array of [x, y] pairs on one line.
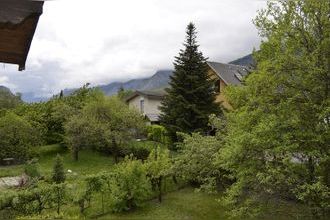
[[18, 22]]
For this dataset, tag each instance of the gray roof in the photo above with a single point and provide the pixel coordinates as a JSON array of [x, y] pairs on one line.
[[153, 94], [231, 74], [152, 117]]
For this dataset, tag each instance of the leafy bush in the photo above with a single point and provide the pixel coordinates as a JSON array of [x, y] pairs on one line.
[[35, 200], [128, 184], [32, 169], [140, 149], [195, 161], [94, 184], [16, 137], [105, 124], [317, 197], [158, 167], [6, 198], [158, 133]]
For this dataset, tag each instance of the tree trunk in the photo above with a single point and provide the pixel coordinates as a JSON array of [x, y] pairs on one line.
[[114, 149], [174, 179], [311, 169], [102, 195], [75, 154], [160, 189], [58, 202]]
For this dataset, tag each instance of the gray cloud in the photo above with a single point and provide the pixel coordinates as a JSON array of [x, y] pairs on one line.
[[78, 41]]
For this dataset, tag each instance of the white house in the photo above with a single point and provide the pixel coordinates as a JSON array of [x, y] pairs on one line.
[[147, 102]]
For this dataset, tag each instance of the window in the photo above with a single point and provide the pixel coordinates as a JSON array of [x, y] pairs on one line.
[[142, 105], [217, 86]]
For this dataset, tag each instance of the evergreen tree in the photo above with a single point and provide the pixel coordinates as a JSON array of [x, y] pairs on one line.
[[190, 99], [58, 170]]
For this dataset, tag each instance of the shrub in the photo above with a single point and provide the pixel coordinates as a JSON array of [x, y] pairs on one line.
[[58, 170], [105, 124], [35, 200], [158, 133], [129, 185], [158, 167], [195, 161], [317, 197], [6, 198], [32, 169], [140, 150], [16, 137], [94, 184]]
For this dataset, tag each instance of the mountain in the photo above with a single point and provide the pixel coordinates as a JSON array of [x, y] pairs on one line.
[[5, 89], [32, 97], [243, 61], [159, 80], [8, 99]]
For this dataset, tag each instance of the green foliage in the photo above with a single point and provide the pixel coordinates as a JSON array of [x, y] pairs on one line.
[[58, 170], [278, 134], [49, 117], [35, 200], [158, 166], [195, 161], [32, 169], [105, 124], [129, 186], [140, 149], [158, 133], [6, 198], [317, 197], [8, 100], [124, 188], [59, 196], [123, 93], [16, 137], [80, 133], [190, 99]]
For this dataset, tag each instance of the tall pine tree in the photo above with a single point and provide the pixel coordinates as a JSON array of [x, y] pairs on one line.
[[191, 98]]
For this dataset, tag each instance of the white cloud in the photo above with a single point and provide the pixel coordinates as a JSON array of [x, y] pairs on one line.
[[101, 41]]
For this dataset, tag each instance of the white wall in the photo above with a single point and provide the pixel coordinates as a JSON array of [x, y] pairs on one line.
[[150, 105]]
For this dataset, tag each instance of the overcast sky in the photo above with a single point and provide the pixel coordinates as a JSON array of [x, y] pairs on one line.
[[101, 41]]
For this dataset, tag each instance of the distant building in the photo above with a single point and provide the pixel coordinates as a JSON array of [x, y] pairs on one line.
[[224, 75], [147, 102]]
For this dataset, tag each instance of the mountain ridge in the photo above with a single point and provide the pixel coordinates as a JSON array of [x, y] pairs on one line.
[[160, 79]]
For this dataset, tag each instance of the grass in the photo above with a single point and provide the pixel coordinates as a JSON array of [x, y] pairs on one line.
[[90, 162], [178, 204], [182, 204]]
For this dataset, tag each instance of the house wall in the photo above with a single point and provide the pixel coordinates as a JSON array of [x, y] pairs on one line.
[[150, 105], [135, 103], [220, 96]]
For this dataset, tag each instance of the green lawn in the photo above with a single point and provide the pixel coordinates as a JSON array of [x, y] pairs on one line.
[[178, 204], [182, 204], [90, 162]]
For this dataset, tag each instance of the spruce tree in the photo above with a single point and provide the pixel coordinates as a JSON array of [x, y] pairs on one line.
[[190, 99], [58, 170]]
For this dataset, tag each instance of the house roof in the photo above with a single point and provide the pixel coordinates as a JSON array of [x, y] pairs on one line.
[[152, 94], [231, 74], [18, 21], [152, 117]]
